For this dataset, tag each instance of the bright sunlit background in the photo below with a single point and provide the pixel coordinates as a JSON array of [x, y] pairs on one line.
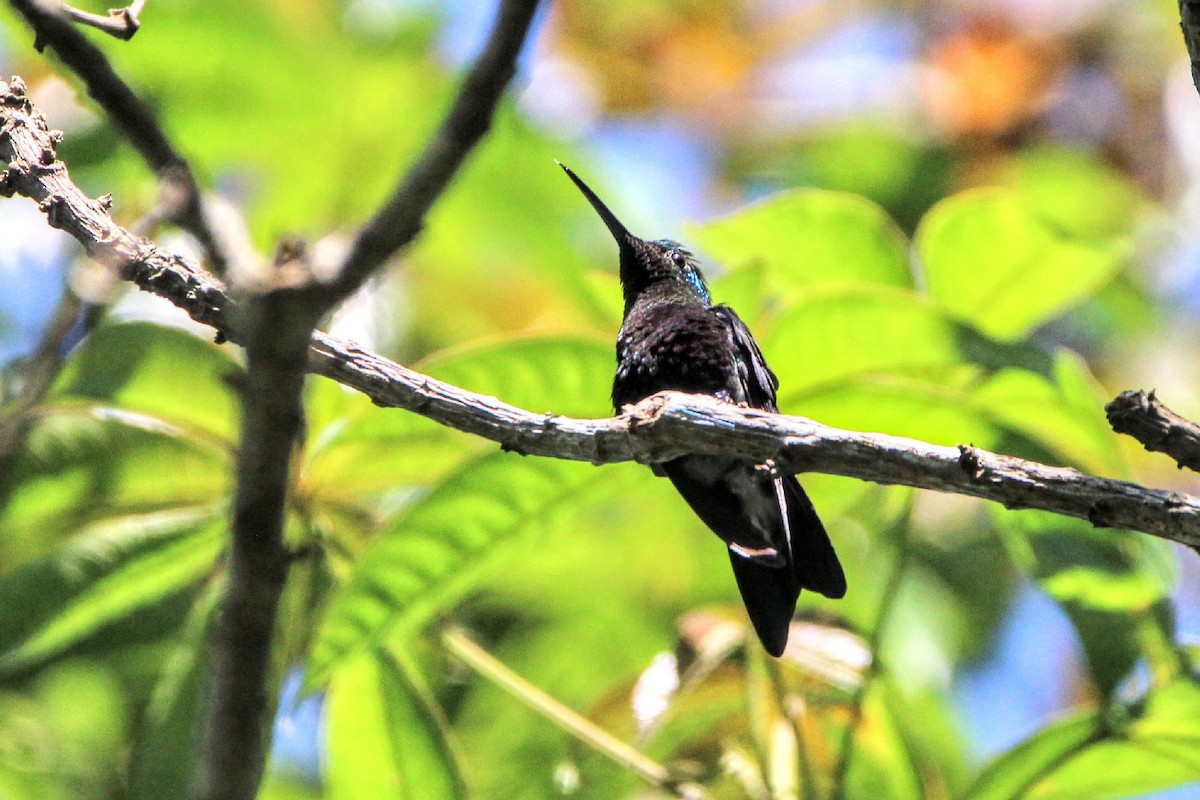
[[678, 112]]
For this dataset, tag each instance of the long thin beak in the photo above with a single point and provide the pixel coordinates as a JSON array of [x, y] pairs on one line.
[[619, 231]]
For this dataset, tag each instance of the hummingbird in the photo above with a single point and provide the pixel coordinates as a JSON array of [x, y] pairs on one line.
[[674, 337]]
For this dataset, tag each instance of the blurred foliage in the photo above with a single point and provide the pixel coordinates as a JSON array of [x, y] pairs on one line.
[[922, 284]]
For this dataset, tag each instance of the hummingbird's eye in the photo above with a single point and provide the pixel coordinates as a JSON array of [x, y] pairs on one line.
[[678, 258]]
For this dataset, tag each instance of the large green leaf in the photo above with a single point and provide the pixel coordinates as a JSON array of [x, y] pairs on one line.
[[63, 735], [1055, 417], [568, 375], [385, 736], [990, 258], [1063, 411], [899, 405], [808, 237], [103, 577], [1075, 189], [427, 558], [79, 467], [1014, 773], [1115, 753], [1110, 582], [1103, 569], [832, 333], [359, 450], [160, 372], [164, 752]]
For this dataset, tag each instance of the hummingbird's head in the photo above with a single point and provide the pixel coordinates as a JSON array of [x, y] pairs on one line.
[[646, 264]]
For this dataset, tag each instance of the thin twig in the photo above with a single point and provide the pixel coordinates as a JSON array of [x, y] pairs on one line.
[[121, 23], [657, 429], [38, 376], [887, 602], [1158, 428], [400, 219], [486, 665], [129, 114]]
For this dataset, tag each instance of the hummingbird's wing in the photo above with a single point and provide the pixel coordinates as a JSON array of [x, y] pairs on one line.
[[756, 383], [812, 556], [814, 561]]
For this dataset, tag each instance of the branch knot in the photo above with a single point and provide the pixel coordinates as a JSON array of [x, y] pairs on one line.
[[969, 461]]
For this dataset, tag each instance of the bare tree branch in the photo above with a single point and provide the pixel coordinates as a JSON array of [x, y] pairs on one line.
[[34, 171], [128, 113], [672, 424], [400, 219], [658, 429], [121, 23], [1158, 428], [277, 327]]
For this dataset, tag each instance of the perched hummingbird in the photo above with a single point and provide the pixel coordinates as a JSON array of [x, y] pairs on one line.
[[673, 337]]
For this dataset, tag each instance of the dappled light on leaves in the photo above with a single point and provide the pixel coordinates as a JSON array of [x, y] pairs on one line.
[[961, 225]]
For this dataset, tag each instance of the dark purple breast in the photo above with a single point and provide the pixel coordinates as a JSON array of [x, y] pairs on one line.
[[687, 348]]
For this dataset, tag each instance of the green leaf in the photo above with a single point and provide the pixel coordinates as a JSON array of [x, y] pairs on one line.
[[429, 557], [1103, 569], [568, 375], [1020, 768], [102, 578], [385, 736], [164, 752], [160, 372], [890, 759], [1110, 582], [831, 333], [990, 258], [902, 406], [359, 450], [1064, 414], [744, 290], [1054, 417], [81, 467], [1075, 189], [1114, 641], [808, 237], [1097, 756]]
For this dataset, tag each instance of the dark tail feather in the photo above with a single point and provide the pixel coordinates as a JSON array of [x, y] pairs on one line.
[[816, 564], [702, 480], [770, 584], [770, 595]]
